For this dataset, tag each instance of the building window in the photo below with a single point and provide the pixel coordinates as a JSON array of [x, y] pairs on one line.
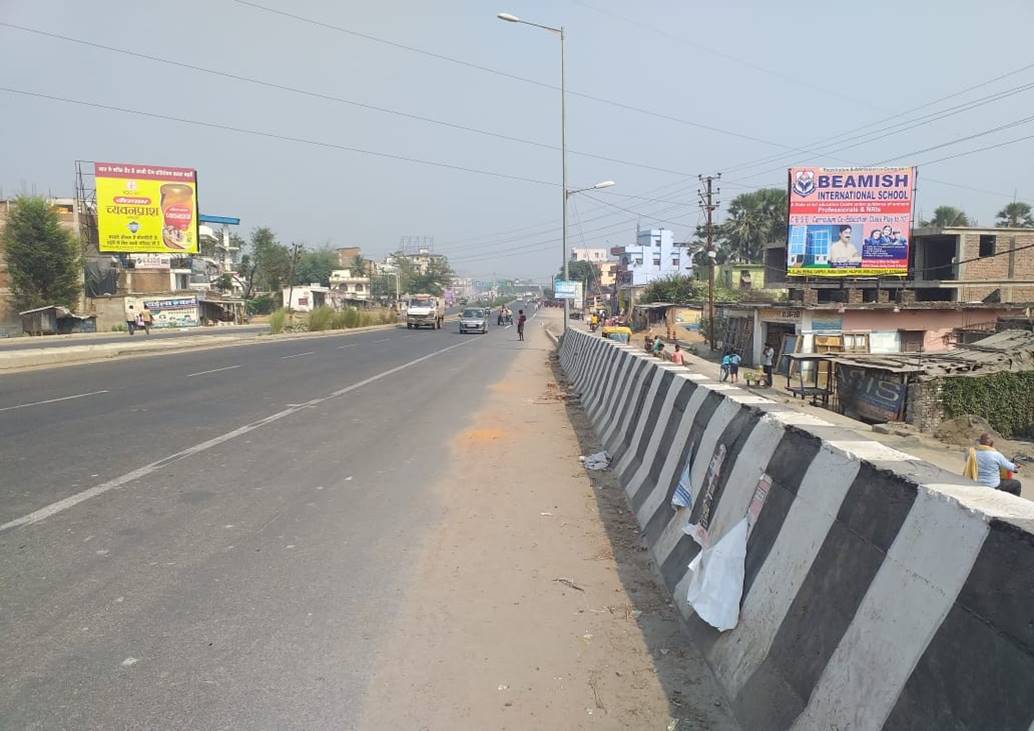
[[987, 245], [639, 261], [657, 260]]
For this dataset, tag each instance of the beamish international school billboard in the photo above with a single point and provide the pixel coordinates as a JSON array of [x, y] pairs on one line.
[[849, 222]]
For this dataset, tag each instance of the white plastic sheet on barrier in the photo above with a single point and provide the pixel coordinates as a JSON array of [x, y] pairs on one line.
[[717, 584]]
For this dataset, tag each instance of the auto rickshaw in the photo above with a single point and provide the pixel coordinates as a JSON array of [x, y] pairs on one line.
[[617, 333]]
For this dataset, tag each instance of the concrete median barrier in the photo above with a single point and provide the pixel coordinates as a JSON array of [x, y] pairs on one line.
[[878, 591]]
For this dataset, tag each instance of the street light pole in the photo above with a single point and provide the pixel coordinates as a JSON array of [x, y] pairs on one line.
[[563, 163], [563, 136]]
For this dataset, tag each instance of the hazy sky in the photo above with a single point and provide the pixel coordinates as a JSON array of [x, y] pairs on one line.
[[788, 74]]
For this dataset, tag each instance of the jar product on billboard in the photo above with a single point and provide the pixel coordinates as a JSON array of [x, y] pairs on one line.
[[177, 215]]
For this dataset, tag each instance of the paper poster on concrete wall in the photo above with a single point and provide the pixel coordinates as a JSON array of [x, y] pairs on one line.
[[698, 531]]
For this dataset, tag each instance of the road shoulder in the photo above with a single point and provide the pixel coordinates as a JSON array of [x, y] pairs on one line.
[[531, 604]]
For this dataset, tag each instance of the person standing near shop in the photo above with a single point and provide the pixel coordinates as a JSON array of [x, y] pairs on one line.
[[767, 362]]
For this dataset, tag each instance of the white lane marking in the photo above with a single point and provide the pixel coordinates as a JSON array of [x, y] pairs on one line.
[[507, 327], [382, 340], [350, 345], [298, 355], [53, 400], [73, 500], [214, 370]]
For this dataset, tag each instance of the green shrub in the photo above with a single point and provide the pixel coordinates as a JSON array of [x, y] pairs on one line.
[[351, 317], [320, 319], [1006, 400], [261, 305], [277, 319], [119, 328], [366, 318]]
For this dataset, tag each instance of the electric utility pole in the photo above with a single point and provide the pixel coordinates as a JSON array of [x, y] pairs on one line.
[[708, 203]]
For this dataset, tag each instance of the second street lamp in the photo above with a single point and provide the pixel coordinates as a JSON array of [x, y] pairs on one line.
[[563, 134]]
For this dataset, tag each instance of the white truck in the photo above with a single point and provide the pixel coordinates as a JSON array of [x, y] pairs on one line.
[[425, 310]]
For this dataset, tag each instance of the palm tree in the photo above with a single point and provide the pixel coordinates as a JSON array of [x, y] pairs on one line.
[[1016, 215], [754, 220], [947, 217]]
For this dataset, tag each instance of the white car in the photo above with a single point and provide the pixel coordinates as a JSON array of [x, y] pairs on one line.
[[473, 320]]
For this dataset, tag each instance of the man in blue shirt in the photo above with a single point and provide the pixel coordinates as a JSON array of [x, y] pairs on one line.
[[989, 464]]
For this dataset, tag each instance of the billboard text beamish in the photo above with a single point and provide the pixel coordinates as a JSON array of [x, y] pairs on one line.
[[146, 208], [849, 222]]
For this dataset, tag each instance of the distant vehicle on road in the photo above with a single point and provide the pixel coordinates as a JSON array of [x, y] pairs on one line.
[[425, 310], [474, 319]]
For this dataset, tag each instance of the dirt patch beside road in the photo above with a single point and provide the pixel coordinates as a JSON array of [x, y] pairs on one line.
[[533, 604]]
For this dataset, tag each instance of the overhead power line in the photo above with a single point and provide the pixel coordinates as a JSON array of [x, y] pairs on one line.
[[332, 98], [275, 136], [515, 77], [875, 123]]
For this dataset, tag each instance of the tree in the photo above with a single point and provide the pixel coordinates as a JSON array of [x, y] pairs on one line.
[[225, 282], [434, 279], [947, 216], [676, 288], [754, 219], [271, 259], [315, 266], [1015, 215], [42, 256]]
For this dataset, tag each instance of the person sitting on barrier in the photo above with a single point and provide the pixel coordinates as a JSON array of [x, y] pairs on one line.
[[658, 347], [678, 357], [985, 465], [648, 343]]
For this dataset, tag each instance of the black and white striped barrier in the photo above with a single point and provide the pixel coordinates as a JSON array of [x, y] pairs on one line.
[[878, 591]]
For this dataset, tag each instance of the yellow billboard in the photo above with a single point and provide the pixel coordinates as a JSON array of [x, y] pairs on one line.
[[146, 208]]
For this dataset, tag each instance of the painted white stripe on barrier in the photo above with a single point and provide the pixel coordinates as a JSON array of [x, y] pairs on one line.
[[799, 418], [873, 451], [670, 536], [698, 377], [642, 472], [735, 656], [607, 386], [603, 357], [659, 493], [749, 398], [647, 381], [907, 601], [644, 416], [639, 376], [616, 393]]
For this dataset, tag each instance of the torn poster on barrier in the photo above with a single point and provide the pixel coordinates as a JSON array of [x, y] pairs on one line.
[[757, 502], [717, 584], [698, 530], [598, 461], [683, 497], [716, 587]]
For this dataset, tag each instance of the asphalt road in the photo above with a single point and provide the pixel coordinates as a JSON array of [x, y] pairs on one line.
[[216, 539]]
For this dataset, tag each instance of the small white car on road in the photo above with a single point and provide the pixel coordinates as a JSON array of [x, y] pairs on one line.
[[473, 320]]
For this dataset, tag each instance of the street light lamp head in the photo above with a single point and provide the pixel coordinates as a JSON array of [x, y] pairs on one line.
[[604, 184], [713, 254], [508, 18]]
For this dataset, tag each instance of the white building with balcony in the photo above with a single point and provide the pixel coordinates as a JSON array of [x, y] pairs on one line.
[[349, 287]]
